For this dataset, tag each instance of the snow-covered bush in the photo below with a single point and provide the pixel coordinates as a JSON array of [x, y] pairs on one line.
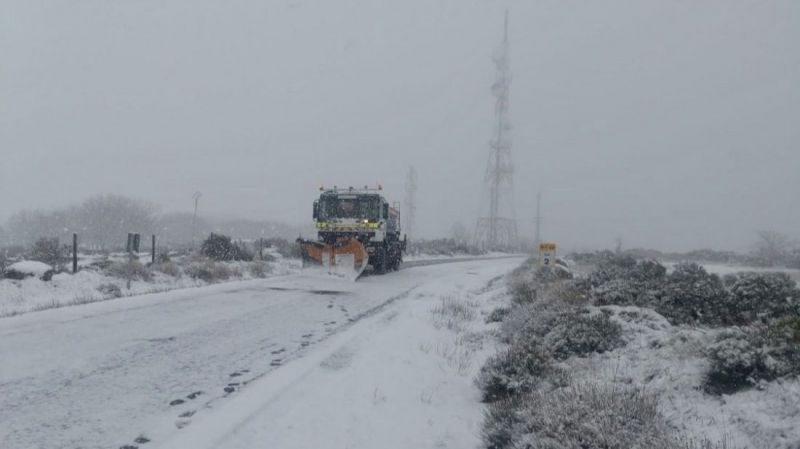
[[621, 282], [787, 328], [755, 296], [580, 333], [523, 290], [738, 360], [623, 292], [741, 358], [501, 423], [592, 415], [220, 248], [692, 295], [498, 314], [29, 268], [514, 371], [571, 291], [529, 323]]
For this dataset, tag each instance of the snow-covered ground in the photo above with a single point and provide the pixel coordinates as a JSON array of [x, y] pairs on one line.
[[292, 361], [89, 285]]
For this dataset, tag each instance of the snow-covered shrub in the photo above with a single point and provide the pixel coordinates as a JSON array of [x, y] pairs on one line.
[[110, 290], [208, 271], [611, 266], [132, 269], [571, 291], [501, 423], [755, 296], [259, 269], [168, 268], [692, 295], [591, 415], [546, 275], [49, 251], [742, 357], [738, 360], [623, 292], [580, 333], [787, 328], [621, 282], [498, 314], [220, 248], [529, 323], [29, 268], [515, 371]]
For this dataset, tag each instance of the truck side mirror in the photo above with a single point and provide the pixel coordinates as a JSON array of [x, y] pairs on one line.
[[386, 210], [316, 210]]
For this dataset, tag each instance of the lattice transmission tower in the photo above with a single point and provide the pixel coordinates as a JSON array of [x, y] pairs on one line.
[[498, 229]]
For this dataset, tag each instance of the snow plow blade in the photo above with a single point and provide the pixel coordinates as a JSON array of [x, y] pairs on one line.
[[346, 259]]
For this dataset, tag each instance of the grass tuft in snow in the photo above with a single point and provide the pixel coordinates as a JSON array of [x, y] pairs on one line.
[[452, 313]]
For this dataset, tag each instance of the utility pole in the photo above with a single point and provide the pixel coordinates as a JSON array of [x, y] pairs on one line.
[[498, 230], [538, 218], [196, 197], [410, 206]]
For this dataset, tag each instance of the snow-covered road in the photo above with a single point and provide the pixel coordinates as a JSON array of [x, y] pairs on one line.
[[103, 374]]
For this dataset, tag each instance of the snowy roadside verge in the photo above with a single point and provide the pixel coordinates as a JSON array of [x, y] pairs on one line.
[[401, 378], [92, 285]]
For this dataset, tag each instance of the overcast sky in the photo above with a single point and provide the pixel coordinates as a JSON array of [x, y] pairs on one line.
[[671, 124]]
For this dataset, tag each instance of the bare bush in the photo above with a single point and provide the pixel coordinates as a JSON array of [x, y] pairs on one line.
[[132, 270], [49, 251], [110, 290], [168, 268], [208, 271], [259, 269]]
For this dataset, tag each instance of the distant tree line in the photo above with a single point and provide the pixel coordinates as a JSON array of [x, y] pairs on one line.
[[103, 221], [771, 249]]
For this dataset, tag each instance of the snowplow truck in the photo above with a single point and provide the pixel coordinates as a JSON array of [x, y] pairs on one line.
[[355, 228]]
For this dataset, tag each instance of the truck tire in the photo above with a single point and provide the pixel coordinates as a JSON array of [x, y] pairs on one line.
[[379, 267]]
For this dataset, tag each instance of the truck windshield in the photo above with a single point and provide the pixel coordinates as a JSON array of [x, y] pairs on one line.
[[350, 206]]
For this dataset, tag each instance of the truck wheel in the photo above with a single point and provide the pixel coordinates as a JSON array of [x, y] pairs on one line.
[[380, 261]]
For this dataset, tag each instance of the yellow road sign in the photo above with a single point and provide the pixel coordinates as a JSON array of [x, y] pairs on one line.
[[547, 254]]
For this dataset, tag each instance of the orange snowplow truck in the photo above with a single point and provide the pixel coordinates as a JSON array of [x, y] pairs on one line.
[[355, 228]]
